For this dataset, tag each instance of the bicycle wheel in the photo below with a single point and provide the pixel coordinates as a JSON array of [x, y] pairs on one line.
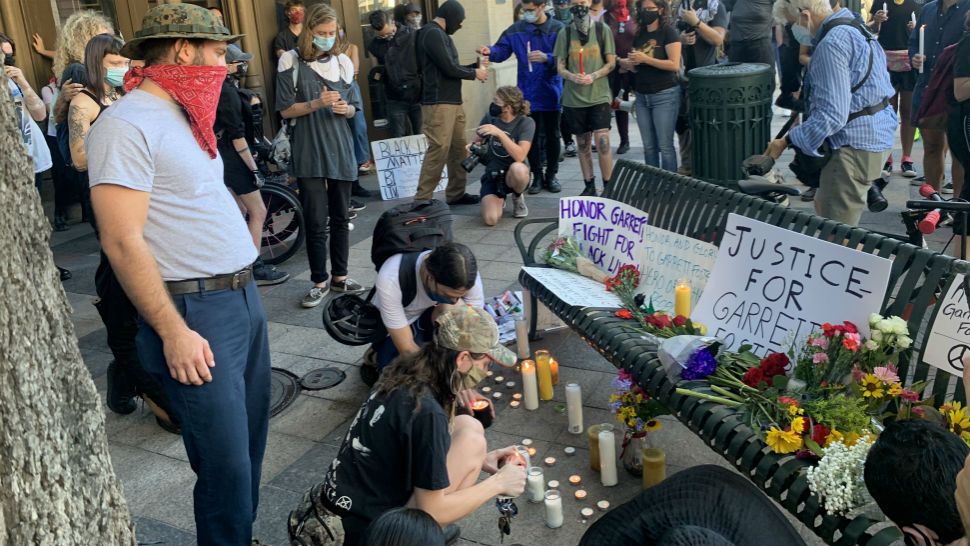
[[283, 228]]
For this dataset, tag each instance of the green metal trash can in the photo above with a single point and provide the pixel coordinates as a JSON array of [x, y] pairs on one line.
[[730, 118]]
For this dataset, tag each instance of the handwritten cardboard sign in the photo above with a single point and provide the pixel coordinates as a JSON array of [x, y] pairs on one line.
[[948, 345], [771, 287], [398, 162], [574, 289], [611, 234], [671, 256]]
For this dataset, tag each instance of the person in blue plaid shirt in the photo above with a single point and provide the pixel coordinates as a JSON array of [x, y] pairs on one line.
[[847, 92]]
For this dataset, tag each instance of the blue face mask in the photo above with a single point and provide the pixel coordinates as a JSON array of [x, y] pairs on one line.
[[530, 16], [802, 35], [438, 298], [324, 44], [115, 77]]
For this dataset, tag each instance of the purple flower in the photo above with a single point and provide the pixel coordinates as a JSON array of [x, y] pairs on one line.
[[615, 406], [621, 384], [700, 365]]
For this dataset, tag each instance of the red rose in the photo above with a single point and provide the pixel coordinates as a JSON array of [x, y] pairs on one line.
[[753, 377], [624, 314], [828, 330], [652, 320], [774, 364], [788, 401], [664, 321], [850, 328], [680, 320], [819, 433]]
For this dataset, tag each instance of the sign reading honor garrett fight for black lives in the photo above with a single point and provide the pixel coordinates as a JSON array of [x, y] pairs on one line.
[[398, 162], [771, 287]]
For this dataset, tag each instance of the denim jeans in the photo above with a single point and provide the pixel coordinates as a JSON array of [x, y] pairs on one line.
[[421, 329], [359, 128], [657, 118], [224, 422]]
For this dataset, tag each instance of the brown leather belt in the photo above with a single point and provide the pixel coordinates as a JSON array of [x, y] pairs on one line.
[[231, 281]]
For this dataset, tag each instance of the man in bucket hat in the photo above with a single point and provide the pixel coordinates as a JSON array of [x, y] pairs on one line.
[[183, 254]]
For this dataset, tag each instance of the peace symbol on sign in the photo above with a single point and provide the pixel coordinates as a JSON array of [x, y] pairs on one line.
[[957, 355]]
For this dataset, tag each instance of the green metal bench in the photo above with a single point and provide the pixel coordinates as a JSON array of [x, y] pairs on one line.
[[700, 210]]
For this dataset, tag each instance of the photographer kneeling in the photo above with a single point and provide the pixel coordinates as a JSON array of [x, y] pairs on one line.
[[848, 129], [503, 144]]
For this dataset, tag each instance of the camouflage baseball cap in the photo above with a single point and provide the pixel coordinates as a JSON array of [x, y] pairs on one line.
[[466, 328], [177, 21]]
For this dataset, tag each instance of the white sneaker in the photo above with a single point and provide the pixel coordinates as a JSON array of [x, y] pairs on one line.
[[520, 209]]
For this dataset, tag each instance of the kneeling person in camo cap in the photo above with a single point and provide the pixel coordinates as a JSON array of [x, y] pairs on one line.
[[180, 248]]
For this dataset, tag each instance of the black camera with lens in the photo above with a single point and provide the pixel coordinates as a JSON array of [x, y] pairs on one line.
[[479, 152]]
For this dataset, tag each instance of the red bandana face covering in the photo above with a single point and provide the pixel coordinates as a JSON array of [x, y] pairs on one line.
[[195, 88], [620, 11]]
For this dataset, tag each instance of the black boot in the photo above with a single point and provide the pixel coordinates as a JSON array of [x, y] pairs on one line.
[[552, 184], [606, 184], [590, 189], [121, 390], [536, 185]]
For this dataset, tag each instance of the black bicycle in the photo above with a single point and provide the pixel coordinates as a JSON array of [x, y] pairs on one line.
[[283, 232]]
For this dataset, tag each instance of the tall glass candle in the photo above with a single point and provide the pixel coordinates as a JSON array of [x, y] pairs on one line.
[[682, 298], [574, 407], [544, 374], [522, 338], [522, 454], [530, 389], [535, 484], [554, 370], [607, 447], [654, 466], [593, 437], [553, 500]]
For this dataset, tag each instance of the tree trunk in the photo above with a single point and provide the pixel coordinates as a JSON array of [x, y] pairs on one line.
[[57, 486]]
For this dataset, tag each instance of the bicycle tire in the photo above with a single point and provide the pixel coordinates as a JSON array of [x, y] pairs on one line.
[[283, 229]]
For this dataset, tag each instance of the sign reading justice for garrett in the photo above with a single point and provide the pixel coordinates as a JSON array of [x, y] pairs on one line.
[[771, 287]]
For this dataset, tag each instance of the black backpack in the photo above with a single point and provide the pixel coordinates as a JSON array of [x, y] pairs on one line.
[[409, 229], [401, 63]]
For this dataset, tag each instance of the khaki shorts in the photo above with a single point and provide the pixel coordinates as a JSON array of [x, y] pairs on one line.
[[844, 183]]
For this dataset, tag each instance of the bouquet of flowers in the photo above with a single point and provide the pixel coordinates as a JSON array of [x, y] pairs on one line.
[[565, 253], [838, 478], [659, 323], [633, 407]]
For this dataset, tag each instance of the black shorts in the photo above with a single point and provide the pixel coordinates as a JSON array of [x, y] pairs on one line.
[[496, 186], [241, 182], [903, 81], [588, 119]]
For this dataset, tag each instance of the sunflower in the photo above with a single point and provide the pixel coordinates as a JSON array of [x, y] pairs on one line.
[[959, 421], [871, 387], [653, 425], [783, 441]]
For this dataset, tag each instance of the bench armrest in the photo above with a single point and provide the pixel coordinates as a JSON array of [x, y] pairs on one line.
[[528, 253]]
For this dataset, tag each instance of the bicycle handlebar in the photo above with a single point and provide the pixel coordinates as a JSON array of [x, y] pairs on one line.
[[948, 206]]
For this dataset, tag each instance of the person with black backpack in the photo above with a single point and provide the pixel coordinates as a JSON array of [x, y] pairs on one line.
[[848, 128], [393, 47]]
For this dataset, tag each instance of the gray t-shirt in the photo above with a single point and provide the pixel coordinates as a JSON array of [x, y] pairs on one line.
[[702, 53], [750, 20], [194, 227]]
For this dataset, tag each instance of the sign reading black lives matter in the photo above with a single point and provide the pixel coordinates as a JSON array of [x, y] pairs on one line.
[[948, 346], [771, 287], [398, 162]]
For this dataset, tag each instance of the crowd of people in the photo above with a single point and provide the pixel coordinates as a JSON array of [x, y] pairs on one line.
[[156, 138]]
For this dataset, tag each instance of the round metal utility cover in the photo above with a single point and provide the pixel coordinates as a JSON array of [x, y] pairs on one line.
[[323, 378], [284, 387]]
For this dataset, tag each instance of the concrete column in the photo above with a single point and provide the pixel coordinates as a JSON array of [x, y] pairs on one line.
[[484, 23]]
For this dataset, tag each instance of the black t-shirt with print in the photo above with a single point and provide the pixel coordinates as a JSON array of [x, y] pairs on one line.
[[522, 128], [647, 79], [393, 446]]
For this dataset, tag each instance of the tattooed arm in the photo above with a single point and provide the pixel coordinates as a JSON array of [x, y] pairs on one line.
[[78, 122]]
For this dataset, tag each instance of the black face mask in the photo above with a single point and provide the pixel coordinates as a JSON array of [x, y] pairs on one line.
[[494, 110], [9, 60], [241, 70], [646, 18], [452, 27], [579, 11]]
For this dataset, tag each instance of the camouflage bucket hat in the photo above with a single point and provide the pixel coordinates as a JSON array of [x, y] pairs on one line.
[[466, 328], [177, 21]]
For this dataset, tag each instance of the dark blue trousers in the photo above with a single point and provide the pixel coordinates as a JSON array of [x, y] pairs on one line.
[[423, 329], [224, 422]]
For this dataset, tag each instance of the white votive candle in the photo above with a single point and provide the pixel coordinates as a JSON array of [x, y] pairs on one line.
[[535, 489], [607, 458], [574, 407], [553, 501], [530, 387], [603, 505]]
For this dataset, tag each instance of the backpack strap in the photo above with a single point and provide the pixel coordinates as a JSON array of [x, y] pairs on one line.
[[868, 110], [599, 30], [407, 277]]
